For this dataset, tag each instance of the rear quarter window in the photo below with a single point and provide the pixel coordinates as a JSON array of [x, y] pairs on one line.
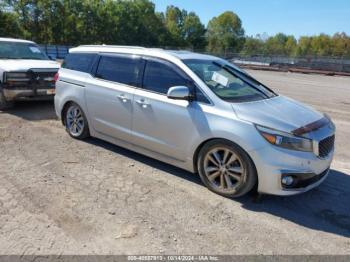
[[79, 62]]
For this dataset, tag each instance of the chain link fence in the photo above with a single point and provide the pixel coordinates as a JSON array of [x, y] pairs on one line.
[[56, 52], [327, 64]]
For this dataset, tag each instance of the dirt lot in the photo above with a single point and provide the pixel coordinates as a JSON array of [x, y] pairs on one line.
[[62, 196]]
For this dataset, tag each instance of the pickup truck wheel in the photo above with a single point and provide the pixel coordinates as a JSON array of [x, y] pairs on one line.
[[4, 104], [226, 169], [75, 122]]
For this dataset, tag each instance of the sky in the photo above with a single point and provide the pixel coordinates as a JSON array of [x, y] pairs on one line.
[[295, 17]]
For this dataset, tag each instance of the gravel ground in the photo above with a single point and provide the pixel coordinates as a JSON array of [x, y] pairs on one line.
[[62, 196]]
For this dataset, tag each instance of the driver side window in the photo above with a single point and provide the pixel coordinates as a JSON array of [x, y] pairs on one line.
[[160, 76]]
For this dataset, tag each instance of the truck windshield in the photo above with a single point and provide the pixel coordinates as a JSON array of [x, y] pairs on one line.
[[228, 82], [16, 50]]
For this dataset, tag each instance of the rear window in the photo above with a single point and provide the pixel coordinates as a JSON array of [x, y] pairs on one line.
[[79, 62], [122, 69]]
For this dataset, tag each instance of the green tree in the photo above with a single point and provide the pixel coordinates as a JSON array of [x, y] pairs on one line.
[[174, 22], [224, 33], [184, 29], [275, 44], [131, 23], [290, 46], [321, 45], [253, 46], [72, 31], [40, 20], [135, 22], [341, 45], [194, 31], [304, 46], [9, 25]]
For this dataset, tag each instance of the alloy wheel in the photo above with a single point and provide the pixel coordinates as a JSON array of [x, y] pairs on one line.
[[224, 169], [75, 121]]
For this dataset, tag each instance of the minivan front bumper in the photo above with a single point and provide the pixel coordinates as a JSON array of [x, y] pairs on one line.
[[273, 164]]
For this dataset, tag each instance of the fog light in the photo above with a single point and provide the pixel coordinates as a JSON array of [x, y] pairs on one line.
[[287, 180]]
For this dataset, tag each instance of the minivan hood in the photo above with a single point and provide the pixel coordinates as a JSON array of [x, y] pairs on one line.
[[25, 64], [280, 113]]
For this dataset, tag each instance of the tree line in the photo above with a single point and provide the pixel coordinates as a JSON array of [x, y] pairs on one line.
[[135, 22]]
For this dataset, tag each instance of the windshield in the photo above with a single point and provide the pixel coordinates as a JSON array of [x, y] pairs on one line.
[[228, 82], [15, 50]]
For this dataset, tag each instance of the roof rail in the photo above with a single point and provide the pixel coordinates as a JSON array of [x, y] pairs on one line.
[[114, 46]]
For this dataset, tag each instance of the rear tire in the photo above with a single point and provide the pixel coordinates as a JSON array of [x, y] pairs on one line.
[[226, 169], [75, 122], [4, 104]]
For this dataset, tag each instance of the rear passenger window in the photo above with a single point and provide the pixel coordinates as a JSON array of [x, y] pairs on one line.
[[79, 62], [121, 69], [160, 76]]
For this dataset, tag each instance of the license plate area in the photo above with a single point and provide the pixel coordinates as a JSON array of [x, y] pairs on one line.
[[50, 91]]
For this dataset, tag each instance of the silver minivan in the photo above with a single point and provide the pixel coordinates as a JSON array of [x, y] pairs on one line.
[[197, 112]]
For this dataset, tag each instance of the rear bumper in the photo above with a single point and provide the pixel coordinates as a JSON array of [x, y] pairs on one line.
[[16, 94]]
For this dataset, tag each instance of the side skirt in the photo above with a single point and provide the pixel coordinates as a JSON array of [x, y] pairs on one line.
[[187, 165]]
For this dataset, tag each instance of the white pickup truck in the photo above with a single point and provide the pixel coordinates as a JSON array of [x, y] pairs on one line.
[[25, 72]]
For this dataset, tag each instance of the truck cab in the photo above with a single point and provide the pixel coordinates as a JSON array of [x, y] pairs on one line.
[[26, 72]]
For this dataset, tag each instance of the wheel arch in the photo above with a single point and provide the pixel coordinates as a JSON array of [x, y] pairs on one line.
[[65, 107], [201, 145]]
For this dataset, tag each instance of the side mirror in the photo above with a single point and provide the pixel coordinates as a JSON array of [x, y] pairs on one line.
[[179, 93]]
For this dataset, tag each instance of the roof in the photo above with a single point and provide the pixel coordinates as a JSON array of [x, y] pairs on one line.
[[5, 39], [138, 50]]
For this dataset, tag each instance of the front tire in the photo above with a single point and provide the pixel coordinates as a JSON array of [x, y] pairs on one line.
[[226, 169], [75, 122]]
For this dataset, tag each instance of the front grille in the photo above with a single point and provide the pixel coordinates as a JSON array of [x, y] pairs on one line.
[[326, 146], [33, 79], [42, 78]]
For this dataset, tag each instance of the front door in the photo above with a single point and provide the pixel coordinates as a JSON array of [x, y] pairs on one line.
[[160, 124]]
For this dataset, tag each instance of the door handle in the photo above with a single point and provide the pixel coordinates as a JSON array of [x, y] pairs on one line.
[[123, 98], [142, 103]]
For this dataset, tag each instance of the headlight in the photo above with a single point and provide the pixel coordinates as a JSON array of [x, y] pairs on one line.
[[16, 76], [285, 140]]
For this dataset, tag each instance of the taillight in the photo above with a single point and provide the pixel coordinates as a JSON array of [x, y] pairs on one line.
[[55, 78]]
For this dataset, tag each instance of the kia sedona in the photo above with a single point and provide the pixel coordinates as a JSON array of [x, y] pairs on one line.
[[197, 112]]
